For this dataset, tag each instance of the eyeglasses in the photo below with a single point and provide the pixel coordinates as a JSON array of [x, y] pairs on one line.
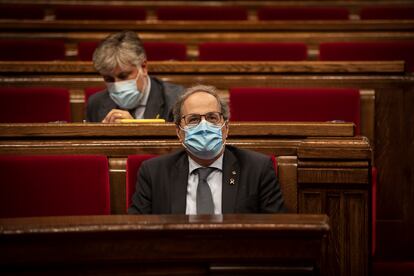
[[194, 119]]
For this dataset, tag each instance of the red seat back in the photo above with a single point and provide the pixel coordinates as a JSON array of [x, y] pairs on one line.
[[295, 104], [202, 13], [154, 50], [89, 91], [364, 51], [35, 50], [302, 13], [34, 105], [252, 51], [54, 185], [133, 164], [387, 12], [21, 11], [99, 12]]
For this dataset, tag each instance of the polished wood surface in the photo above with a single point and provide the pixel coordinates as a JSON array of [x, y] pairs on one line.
[[164, 245], [76, 68], [144, 130], [376, 26]]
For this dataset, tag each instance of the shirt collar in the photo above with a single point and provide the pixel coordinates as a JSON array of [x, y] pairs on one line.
[[146, 92], [193, 165]]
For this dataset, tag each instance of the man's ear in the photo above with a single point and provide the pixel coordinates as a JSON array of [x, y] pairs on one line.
[[144, 67], [179, 134], [226, 129]]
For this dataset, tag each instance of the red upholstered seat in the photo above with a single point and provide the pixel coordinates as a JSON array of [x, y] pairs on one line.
[[99, 12], [201, 13], [21, 11], [165, 51], [387, 12], [154, 50], [295, 104], [393, 267], [133, 164], [46, 185], [89, 91], [360, 51], [302, 13], [34, 105], [28, 49], [252, 51]]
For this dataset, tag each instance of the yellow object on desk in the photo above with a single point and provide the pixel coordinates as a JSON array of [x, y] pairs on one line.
[[142, 121]]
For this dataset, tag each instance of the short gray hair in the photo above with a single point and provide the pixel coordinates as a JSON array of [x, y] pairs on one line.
[[119, 49], [224, 108]]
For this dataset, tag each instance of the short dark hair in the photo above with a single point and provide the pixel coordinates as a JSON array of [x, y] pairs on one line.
[[224, 108]]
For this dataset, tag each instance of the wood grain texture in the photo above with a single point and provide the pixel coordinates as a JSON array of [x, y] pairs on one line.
[[246, 129], [212, 26], [149, 245], [194, 67]]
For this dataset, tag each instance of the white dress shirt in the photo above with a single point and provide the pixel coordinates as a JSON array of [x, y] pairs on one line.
[[140, 109], [214, 180]]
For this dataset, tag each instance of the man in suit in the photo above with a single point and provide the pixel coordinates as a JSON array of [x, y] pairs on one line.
[[130, 92], [237, 180]]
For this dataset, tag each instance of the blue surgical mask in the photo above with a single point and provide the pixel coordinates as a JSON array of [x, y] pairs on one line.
[[125, 93], [205, 141]]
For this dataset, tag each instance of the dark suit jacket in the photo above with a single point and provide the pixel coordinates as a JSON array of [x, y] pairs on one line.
[[161, 100], [162, 184]]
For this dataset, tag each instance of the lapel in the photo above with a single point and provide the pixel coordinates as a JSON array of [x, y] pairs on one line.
[[179, 182], [155, 102], [230, 184]]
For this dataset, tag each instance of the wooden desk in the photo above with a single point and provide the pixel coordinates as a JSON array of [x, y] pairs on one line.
[[323, 169], [164, 245]]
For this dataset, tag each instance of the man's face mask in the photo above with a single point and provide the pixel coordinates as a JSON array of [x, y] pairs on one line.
[[125, 93], [205, 140]]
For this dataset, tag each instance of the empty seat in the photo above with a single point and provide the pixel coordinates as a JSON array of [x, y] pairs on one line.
[[133, 164], [302, 13], [99, 12], [295, 104], [252, 51], [364, 51], [89, 91], [379, 12], [32, 49], [201, 13], [34, 105], [21, 11], [155, 51], [47, 185]]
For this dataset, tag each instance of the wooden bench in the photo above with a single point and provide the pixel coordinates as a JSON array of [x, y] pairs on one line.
[[73, 33], [323, 168], [165, 245]]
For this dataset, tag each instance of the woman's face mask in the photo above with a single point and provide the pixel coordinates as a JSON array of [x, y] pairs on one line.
[[205, 141], [125, 93]]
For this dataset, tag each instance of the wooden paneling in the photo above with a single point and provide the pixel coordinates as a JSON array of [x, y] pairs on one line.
[[164, 245]]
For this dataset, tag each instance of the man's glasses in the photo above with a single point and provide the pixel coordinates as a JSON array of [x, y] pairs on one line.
[[192, 120]]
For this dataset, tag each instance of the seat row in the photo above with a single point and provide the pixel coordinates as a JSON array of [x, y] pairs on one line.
[[224, 12], [17, 49], [37, 105]]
